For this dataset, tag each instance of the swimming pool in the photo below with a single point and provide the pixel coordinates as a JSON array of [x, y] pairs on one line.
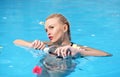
[[93, 23]]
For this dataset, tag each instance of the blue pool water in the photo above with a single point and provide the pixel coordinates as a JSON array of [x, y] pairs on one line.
[[94, 23]]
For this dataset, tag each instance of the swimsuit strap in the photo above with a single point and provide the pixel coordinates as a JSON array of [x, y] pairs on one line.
[[71, 44], [74, 45]]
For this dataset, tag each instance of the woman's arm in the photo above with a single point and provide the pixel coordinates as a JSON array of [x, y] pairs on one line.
[[86, 51], [24, 43], [20, 42]]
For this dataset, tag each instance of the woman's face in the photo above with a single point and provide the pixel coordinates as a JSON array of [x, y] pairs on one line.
[[54, 29]]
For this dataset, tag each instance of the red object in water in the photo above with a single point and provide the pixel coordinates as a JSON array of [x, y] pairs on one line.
[[37, 70]]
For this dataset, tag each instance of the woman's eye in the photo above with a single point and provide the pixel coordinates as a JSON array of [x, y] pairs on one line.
[[51, 27]]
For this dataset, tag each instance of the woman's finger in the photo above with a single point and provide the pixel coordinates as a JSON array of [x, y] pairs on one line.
[[57, 51], [41, 46], [34, 44]]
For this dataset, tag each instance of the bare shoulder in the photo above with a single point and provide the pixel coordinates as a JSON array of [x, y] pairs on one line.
[[89, 51]]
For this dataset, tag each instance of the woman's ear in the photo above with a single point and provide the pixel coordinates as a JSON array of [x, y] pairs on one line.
[[65, 28]]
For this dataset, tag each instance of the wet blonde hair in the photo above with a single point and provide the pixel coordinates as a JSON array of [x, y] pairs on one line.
[[63, 20]]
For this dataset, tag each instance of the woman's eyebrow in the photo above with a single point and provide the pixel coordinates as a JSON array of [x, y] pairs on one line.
[[48, 26]]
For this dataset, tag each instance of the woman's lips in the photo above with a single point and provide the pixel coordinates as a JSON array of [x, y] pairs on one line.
[[50, 37]]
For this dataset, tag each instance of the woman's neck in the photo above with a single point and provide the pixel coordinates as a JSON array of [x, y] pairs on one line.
[[64, 41]]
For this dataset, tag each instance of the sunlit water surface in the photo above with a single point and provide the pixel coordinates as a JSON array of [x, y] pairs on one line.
[[94, 23]]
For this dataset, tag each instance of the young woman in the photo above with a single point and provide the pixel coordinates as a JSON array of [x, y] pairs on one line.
[[58, 30]]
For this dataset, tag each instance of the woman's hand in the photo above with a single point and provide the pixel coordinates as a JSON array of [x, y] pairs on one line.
[[68, 51], [63, 51], [38, 45]]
